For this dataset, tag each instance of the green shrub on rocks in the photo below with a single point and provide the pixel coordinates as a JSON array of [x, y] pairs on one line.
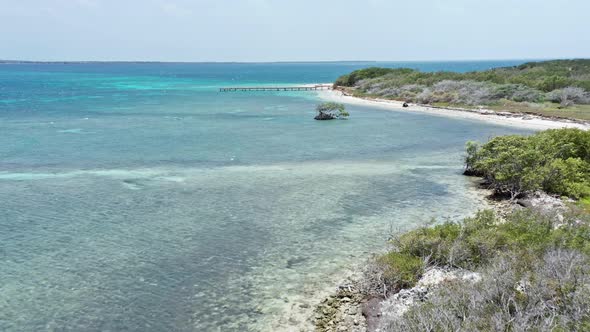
[[401, 270], [556, 161], [434, 244], [551, 294], [459, 245], [481, 238], [535, 273]]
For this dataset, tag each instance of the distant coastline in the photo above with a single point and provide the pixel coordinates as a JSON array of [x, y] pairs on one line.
[[178, 62], [558, 90], [520, 120], [397, 62]]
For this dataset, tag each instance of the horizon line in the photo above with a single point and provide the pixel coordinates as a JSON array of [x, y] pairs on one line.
[[11, 61]]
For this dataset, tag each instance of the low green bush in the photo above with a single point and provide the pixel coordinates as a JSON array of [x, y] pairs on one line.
[[551, 294], [526, 230], [556, 161], [431, 243], [481, 238], [401, 270], [534, 272]]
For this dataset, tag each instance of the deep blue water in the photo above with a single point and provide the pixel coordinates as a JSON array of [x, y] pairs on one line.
[[138, 197]]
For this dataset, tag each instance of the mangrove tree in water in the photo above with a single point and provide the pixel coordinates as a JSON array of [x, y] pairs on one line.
[[330, 111]]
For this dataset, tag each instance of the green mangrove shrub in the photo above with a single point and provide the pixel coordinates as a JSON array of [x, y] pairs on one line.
[[331, 110], [400, 270], [556, 161]]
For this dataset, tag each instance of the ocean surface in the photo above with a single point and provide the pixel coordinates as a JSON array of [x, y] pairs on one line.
[[136, 197]]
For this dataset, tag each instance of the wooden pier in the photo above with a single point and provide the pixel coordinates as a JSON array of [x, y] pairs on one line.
[[278, 88]]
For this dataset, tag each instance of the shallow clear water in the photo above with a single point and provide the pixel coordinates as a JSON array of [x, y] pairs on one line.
[[137, 197]]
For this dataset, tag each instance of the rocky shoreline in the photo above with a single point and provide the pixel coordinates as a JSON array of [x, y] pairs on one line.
[[349, 309]]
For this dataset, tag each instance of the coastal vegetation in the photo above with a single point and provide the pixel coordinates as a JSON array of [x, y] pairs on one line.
[[533, 86], [555, 161], [533, 273], [330, 111], [525, 268]]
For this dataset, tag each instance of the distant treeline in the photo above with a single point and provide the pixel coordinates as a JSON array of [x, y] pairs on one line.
[[562, 81]]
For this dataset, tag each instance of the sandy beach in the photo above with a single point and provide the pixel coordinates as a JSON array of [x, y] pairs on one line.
[[520, 120]]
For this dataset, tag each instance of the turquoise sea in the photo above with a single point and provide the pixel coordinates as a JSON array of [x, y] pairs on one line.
[[136, 197]]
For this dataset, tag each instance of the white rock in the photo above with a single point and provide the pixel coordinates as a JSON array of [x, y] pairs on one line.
[[471, 276]]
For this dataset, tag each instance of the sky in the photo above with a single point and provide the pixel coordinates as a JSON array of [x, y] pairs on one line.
[[293, 30]]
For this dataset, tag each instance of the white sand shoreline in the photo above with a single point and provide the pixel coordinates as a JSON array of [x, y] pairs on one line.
[[527, 121]]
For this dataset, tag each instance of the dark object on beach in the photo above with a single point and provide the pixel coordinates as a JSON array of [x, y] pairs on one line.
[[330, 111], [405, 105]]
